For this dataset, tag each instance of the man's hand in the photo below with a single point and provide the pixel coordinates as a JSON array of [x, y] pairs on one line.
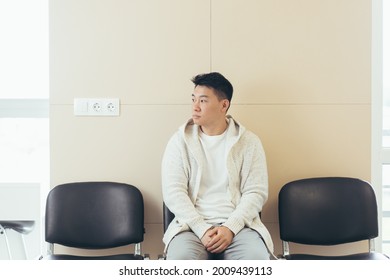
[[208, 235], [217, 239]]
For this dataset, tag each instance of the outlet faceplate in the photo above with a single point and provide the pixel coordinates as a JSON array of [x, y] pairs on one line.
[[96, 106]]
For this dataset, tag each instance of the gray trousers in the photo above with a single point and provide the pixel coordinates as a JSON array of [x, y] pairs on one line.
[[246, 245]]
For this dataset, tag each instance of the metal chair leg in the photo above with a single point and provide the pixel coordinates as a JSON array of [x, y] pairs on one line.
[[2, 231], [24, 247]]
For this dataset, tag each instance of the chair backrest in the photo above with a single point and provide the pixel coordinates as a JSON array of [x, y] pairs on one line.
[[94, 215], [168, 216], [327, 211]]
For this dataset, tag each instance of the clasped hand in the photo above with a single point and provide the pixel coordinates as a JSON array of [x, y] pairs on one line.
[[217, 239]]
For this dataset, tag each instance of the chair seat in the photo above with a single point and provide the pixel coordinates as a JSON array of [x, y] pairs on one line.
[[360, 256], [110, 257], [23, 227]]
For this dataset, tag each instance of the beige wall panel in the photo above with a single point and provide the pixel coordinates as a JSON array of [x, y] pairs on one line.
[[273, 228], [309, 141], [127, 149], [143, 52], [287, 51], [301, 72]]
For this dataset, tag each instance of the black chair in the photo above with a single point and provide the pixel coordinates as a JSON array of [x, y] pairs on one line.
[[95, 215], [168, 216], [328, 211]]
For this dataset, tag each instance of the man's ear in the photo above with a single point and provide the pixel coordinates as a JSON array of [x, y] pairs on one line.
[[225, 104]]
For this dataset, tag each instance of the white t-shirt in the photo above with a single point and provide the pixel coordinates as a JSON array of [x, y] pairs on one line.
[[214, 200]]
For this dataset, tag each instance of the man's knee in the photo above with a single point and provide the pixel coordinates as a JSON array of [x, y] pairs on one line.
[[186, 246]]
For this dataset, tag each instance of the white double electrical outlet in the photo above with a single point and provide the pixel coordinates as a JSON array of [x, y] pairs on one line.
[[96, 106]]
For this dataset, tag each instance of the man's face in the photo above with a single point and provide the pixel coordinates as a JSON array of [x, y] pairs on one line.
[[207, 109]]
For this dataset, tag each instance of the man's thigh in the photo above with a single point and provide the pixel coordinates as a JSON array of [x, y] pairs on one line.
[[247, 245]]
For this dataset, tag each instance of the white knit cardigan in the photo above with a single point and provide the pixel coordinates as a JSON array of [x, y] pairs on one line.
[[182, 166]]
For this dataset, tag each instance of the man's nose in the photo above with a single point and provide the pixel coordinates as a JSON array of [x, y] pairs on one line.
[[195, 106]]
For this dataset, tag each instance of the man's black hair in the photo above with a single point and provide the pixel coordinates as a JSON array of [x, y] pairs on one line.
[[223, 88]]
